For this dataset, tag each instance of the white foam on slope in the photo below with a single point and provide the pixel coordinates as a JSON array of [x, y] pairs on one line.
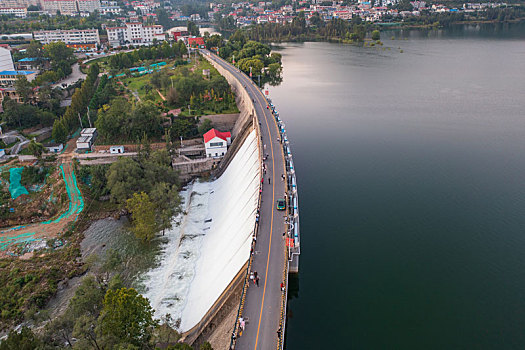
[[201, 258]]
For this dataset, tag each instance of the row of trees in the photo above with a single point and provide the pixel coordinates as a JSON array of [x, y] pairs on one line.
[[123, 121], [250, 56], [298, 30], [79, 102], [163, 51], [10, 25]]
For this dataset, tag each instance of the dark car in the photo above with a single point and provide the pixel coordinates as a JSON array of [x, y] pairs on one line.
[[281, 204]]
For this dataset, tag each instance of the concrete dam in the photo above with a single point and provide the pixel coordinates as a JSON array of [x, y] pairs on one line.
[[219, 239]]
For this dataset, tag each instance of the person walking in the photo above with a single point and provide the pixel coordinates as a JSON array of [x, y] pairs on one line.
[[257, 281], [268, 181]]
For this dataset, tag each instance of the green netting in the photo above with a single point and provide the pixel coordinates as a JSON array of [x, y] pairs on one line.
[[75, 207], [5, 242], [15, 187]]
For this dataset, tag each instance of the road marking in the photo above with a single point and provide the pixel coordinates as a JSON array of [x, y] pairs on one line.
[[263, 106], [271, 222]]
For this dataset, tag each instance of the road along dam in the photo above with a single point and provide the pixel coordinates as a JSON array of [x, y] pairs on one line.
[[230, 228]]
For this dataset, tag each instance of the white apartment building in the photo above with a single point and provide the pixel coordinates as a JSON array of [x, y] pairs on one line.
[[135, 34], [76, 38], [70, 7], [16, 11], [18, 3]]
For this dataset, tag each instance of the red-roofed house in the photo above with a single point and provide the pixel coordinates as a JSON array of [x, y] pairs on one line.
[[195, 42], [216, 143]]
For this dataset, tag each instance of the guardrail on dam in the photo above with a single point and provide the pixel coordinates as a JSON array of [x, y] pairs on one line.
[[292, 246]]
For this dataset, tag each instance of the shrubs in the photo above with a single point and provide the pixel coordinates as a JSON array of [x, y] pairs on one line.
[[33, 175]]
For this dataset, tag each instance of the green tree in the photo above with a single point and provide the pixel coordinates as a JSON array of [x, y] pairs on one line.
[[23, 88], [143, 216], [376, 35], [125, 177], [126, 318], [206, 346], [23, 340], [35, 148], [205, 126], [59, 132]]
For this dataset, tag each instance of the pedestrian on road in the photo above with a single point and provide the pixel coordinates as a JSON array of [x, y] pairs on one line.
[[282, 287], [283, 177], [257, 281], [284, 234], [265, 147], [268, 181], [279, 331], [255, 274]]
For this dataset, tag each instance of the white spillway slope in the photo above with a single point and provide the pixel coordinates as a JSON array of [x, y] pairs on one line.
[[212, 242]]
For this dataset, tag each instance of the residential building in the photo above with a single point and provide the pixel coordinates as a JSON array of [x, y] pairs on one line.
[[75, 38], [54, 147], [7, 83], [216, 143], [135, 33], [6, 61], [195, 42], [15, 11], [19, 3], [70, 7], [8, 77]]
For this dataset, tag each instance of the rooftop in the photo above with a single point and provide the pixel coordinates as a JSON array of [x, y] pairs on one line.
[[16, 72], [210, 135]]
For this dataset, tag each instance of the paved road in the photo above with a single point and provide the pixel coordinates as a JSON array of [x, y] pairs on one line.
[[75, 75], [263, 304]]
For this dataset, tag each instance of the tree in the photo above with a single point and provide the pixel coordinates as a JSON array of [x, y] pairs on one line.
[[193, 29], [23, 88], [143, 216], [126, 318], [59, 132], [35, 148], [58, 51], [125, 177], [376, 35], [34, 49], [205, 126], [206, 346], [23, 340], [167, 203]]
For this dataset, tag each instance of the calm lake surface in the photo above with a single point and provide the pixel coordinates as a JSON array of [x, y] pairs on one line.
[[411, 171]]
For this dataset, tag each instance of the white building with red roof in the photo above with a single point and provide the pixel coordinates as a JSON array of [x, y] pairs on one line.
[[216, 143]]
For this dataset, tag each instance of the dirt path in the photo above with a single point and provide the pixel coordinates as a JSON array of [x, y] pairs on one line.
[[33, 233]]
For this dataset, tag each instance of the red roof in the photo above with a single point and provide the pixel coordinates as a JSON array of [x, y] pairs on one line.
[[215, 133], [196, 41]]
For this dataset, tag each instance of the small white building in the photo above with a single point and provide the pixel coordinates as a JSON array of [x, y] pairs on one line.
[[89, 132], [2, 152], [216, 143], [84, 143], [54, 147], [116, 149]]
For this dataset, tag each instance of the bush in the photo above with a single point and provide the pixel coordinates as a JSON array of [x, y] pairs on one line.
[[33, 175]]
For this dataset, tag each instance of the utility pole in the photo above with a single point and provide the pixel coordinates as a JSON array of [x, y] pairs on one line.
[[259, 79], [89, 119], [250, 72], [80, 120]]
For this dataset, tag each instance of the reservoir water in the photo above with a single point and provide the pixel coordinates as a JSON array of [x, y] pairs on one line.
[[411, 170]]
